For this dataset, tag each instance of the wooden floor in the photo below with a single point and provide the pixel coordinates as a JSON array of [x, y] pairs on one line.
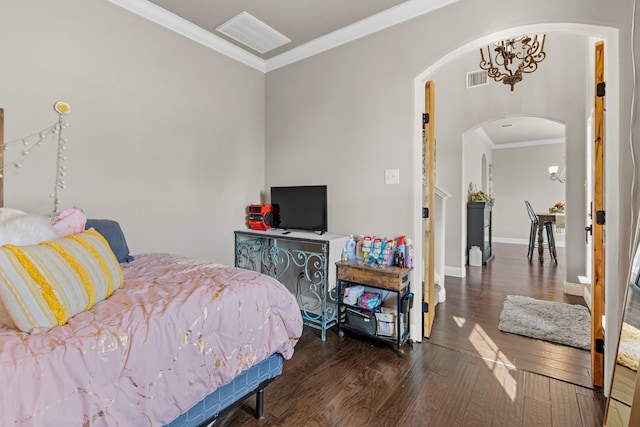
[[467, 374]]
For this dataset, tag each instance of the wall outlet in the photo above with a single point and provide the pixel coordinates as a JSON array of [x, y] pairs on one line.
[[392, 176]]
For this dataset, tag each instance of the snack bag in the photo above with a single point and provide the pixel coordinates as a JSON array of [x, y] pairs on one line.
[[367, 243], [359, 252], [376, 249], [387, 259]]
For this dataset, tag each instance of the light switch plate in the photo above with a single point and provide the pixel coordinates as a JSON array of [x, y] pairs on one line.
[[392, 176]]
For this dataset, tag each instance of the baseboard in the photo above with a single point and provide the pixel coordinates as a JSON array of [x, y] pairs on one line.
[[579, 289], [455, 272], [510, 240], [587, 295], [574, 289], [559, 243]]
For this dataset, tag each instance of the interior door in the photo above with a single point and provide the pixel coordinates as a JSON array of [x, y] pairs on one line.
[[597, 225], [428, 185]]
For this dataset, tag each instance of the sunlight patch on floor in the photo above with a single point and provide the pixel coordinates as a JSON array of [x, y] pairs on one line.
[[497, 361], [460, 321]]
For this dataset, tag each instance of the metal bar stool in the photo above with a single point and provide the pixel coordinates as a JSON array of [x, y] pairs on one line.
[[533, 231], [551, 241], [537, 228]]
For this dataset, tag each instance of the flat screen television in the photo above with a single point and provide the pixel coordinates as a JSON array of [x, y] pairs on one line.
[[301, 207]]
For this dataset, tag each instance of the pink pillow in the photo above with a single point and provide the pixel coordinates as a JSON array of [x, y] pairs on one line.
[[69, 221]]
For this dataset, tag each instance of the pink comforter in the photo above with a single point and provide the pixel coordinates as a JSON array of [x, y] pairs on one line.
[[176, 331]]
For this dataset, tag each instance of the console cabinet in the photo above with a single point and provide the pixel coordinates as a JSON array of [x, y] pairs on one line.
[[479, 229], [303, 261]]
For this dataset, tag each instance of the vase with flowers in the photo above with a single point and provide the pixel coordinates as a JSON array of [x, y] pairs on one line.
[[481, 196], [557, 208]]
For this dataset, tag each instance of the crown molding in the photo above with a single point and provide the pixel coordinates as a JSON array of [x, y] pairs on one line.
[[531, 143], [485, 137], [380, 21], [173, 22], [518, 144]]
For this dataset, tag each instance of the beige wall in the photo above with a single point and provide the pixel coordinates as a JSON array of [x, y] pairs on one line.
[[352, 108], [473, 149], [521, 174], [164, 135]]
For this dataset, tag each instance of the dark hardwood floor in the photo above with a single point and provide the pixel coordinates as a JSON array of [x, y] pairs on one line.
[[468, 373]]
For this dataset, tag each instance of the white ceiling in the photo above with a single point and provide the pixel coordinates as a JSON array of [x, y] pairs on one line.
[[315, 26], [299, 20], [513, 132]]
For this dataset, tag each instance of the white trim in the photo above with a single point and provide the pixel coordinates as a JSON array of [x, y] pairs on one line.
[[378, 22], [574, 289], [485, 137], [441, 192], [559, 243], [510, 240], [587, 298], [173, 22], [531, 143], [385, 19], [455, 272]]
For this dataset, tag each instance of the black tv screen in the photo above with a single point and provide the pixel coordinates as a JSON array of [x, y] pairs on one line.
[[301, 207]]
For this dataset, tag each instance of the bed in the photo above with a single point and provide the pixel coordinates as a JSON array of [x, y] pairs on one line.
[[177, 331], [152, 340]]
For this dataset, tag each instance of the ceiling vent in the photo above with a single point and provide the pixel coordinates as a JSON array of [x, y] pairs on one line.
[[477, 78], [252, 32]]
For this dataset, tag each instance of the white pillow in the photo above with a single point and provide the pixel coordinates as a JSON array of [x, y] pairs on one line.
[[8, 213], [20, 228]]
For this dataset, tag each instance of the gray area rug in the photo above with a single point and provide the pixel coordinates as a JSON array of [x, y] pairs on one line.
[[557, 322]]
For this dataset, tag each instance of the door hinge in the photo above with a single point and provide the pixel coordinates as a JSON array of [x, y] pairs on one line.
[[425, 118], [425, 213], [599, 346], [600, 217], [425, 307], [600, 89]]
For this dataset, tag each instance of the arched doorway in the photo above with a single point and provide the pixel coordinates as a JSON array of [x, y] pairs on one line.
[[450, 115]]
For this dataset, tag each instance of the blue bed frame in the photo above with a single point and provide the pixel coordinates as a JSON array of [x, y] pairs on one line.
[[253, 380]]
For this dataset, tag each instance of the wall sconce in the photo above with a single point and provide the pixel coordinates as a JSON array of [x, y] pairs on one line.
[[553, 174]]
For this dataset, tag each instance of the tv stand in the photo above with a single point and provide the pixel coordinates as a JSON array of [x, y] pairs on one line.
[[303, 261]]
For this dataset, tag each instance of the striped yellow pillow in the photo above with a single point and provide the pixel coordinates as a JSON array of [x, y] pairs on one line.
[[43, 285]]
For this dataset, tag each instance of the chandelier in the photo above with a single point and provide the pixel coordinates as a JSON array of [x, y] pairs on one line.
[[512, 58]]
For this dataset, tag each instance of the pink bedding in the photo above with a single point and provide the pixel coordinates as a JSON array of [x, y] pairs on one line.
[[176, 331]]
